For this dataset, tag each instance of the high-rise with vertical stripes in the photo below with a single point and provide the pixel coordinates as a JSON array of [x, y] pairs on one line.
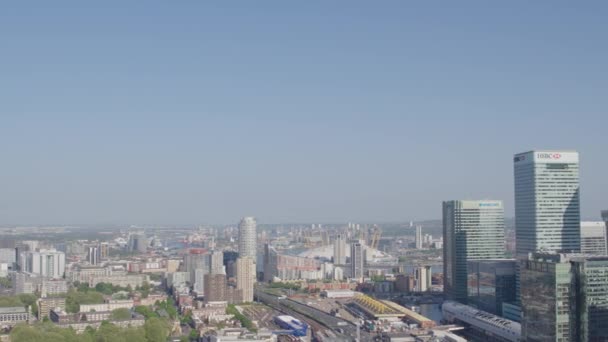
[[547, 210], [472, 230], [547, 213], [248, 238]]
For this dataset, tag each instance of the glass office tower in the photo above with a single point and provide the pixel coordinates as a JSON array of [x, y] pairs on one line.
[[472, 230], [564, 298], [491, 283]]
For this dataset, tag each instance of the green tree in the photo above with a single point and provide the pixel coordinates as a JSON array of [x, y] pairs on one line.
[[135, 335], [194, 334], [24, 333], [156, 330], [245, 321], [75, 298], [6, 282], [108, 332], [10, 301], [120, 314], [145, 311]]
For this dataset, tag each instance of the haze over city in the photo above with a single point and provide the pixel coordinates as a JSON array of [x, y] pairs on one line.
[[292, 112], [273, 171]]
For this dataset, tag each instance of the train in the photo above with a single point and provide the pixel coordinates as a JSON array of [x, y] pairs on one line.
[[297, 327]]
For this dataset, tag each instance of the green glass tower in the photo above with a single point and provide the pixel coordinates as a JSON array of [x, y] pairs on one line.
[[472, 230], [564, 298]]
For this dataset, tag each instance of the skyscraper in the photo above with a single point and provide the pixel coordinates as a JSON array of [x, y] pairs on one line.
[[340, 250], [593, 238], [422, 275], [247, 238], [547, 214], [245, 277], [472, 230], [418, 237], [138, 243], [564, 297], [357, 261], [215, 288], [217, 262], [197, 264]]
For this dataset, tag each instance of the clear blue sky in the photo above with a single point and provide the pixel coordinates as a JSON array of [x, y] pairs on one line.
[[203, 112]]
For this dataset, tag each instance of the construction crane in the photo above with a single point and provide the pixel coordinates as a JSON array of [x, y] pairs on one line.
[[376, 234]]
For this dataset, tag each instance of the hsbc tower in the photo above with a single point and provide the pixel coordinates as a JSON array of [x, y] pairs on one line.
[[547, 210]]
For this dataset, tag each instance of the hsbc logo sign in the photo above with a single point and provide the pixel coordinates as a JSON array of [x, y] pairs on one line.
[[548, 155]]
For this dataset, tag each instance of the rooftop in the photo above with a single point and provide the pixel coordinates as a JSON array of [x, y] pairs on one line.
[[13, 309]]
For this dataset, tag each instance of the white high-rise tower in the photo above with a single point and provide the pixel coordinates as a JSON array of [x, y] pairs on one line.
[[418, 237], [247, 238], [547, 213], [340, 250]]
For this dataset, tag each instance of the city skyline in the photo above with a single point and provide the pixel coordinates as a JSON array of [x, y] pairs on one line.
[[303, 171], [315, 112]]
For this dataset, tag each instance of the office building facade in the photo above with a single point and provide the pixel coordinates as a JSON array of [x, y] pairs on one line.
[[47, 263], [591, 298], [564, 297], [217, 263], [340, 250], [547, 212], [491, 283], [93, 255], [245, 277], [357, 261], [215, 288], [593, 238], [418, 237], [472, 230], [248, 238], [546, 298], [138, 243], [422, 275], [197, 262]]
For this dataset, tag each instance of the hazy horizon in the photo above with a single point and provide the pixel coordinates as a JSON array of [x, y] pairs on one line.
[[291, 112]]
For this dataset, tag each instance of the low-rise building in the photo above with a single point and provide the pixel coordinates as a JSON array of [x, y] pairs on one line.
[[79, 327], [150, 300], [23, 282], [338, 293], [405, 283], [132, 280], [82, 273], [11, 316], [107, 306], [45, 305], [53, 287], [240, 335]]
